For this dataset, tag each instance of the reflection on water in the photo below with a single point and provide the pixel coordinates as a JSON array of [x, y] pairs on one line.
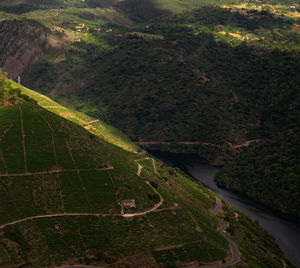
[[285, 229]]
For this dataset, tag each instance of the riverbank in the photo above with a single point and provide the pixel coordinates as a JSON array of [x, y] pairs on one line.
[[284, 229]]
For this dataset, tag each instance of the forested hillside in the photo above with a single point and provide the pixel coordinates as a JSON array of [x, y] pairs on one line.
[[187, 82], [268, 172]]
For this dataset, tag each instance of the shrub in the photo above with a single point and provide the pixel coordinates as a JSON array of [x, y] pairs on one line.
[[154, 184]]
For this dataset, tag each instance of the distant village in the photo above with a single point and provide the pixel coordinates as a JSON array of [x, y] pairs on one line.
[[83, 27]]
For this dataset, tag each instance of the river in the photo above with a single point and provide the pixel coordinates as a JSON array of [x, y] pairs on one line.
[[286, 230]]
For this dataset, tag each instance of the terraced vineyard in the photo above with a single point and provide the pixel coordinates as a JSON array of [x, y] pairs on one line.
[[61, 188], [50, 166]]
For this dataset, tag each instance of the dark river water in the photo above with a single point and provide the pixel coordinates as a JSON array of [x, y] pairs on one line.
[[286, 230]]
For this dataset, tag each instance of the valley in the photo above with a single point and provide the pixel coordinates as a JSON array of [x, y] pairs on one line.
[[61, 185], [113, 79], [285, 229]]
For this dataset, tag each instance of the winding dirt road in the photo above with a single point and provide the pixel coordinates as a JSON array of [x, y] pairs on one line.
[[126, 215], [217, 208], [222, 230], [54, 216], [140, 167], [52, 171], [233, 146], [156, 206]]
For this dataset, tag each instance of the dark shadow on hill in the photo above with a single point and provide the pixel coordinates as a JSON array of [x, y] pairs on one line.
[[101, 3], [141, 10], [19, 9], [28, 6]]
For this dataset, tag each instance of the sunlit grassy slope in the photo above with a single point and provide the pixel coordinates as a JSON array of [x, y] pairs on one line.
[[97, 127], [68, 18]]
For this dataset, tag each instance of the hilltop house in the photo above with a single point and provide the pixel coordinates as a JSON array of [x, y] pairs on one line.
[[128, 203], [79, 28]]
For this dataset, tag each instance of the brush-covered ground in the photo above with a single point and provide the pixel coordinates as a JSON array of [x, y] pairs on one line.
[[60, 189]]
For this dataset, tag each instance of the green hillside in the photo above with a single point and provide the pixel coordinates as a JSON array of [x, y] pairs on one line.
[[60, 190], [195, 73], [176, 76], [180, 75]]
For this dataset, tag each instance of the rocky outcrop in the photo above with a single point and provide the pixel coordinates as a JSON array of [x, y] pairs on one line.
[[22, 43]]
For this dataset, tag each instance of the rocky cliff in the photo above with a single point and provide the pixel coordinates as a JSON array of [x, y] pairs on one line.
[[22, 44]]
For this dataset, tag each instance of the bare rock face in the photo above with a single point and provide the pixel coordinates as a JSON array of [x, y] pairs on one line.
[[21, 44]]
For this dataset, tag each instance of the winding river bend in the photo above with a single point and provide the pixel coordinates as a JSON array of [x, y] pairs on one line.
[[286, 230]]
